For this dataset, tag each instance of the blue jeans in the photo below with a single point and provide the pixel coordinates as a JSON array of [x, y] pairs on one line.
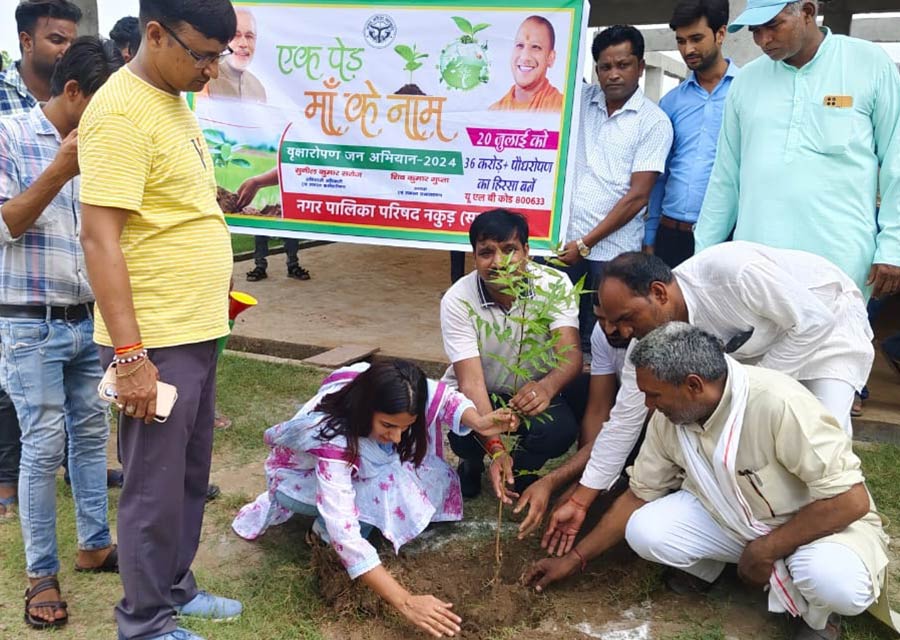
[[261, 252], [51, 370]]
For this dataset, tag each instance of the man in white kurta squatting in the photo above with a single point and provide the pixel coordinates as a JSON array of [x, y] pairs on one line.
[[742, 465], [608, 349], [780, 309]]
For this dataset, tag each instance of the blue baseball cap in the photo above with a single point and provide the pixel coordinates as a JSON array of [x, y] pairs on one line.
[[757, 12]]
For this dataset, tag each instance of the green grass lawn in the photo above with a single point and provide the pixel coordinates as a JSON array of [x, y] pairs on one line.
[[241, 243], [272, 576]]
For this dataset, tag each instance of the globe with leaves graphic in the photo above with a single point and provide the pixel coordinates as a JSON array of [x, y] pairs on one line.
[[464, 62]]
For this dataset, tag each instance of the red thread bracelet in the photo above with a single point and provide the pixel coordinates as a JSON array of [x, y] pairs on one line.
[[580, 557], [583, 507], [132, 347]]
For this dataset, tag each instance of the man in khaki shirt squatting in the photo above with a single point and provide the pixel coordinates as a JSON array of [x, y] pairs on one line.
[[742, 465]]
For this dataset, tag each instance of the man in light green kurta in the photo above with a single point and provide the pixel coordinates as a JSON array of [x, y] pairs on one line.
[[805, 131]]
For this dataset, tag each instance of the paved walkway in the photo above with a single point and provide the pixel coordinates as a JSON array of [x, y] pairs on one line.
[[390, 298], [360, 294]]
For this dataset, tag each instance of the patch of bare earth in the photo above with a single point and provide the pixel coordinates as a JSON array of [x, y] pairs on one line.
[[618, 598], [221, 550]]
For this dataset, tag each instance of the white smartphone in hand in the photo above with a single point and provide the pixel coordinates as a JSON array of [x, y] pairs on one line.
[[166, 394]]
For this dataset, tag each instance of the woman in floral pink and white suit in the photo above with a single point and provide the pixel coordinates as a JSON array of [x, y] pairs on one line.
[[367, 452]]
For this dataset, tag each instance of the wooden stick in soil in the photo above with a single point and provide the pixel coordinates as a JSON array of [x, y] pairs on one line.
[[498, 548]]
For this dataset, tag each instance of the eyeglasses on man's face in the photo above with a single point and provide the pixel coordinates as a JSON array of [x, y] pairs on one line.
[[200, 60]]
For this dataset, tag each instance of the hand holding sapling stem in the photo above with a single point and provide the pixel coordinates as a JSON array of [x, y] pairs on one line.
[[532, 399], [502, 468], [500, 421]]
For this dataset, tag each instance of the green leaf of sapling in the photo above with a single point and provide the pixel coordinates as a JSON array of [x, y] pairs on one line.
[[412, 66], [464, 25], [481, 26], [405, 52], [214, 135]]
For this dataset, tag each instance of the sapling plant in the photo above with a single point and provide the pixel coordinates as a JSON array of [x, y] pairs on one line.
[[412, 57], [468, 29], [222, 149], [526, 326]]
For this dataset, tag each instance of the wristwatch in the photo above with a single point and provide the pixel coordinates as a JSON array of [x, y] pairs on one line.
[[583, 250]]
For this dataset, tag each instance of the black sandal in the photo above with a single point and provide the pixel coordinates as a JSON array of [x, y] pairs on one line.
[[298, 273], [256, 274], [110, 563], [39, 623]]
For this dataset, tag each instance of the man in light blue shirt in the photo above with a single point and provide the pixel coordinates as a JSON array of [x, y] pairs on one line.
[[695, 108], [806, 129]]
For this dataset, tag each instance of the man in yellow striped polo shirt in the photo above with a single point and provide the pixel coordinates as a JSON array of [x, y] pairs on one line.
[[149, 201]]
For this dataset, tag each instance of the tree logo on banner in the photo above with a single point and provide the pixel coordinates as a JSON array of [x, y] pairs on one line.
[[380, 30]]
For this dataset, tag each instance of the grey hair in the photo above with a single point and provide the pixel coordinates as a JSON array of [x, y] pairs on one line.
[[676, 350], [796, 6]]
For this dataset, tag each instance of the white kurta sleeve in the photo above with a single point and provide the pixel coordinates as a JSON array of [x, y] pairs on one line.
[[619, 434], [336, 502], [772, 293]]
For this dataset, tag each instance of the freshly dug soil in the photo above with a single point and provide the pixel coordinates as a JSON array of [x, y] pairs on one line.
[[460, 572], [617, 598], [228, 203]]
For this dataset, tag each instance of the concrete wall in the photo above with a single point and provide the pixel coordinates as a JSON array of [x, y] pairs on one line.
[[89, 22]]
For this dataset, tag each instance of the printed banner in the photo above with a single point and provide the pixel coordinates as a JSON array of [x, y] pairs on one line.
[[395, 123]]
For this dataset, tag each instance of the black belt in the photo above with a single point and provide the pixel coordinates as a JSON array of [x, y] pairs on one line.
[[678, 225], [72, 313]]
